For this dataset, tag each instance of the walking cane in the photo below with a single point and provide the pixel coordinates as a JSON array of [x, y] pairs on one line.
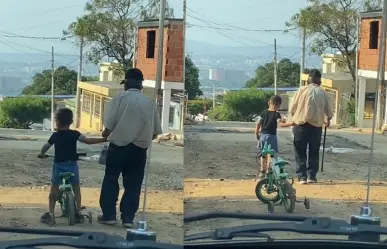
[[323, 152]]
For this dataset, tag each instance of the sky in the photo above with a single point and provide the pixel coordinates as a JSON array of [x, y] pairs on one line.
[[50, 17]]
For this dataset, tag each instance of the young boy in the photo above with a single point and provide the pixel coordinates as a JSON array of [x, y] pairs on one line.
[[65, 160], [266, 129]]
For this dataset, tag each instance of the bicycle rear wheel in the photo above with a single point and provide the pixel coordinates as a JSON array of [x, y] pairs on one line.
[[289, 197], [70, 207]]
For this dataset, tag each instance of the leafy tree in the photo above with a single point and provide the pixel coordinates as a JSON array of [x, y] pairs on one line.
[[192, 83], [108, 25], [21, 112], [65, 82], [242, 105], [288, 74], [331, 24]]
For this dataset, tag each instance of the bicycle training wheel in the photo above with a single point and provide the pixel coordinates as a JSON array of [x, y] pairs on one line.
[[70, 208], [289, 197], [263, 188]]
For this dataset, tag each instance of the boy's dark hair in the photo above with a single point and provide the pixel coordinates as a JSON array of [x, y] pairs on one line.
[[276, 100], [64, 117]]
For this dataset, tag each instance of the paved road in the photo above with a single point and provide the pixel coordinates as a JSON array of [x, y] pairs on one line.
[[363, 139]]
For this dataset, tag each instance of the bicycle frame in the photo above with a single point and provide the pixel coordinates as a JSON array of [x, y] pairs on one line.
[[275, 175], [65, 186]]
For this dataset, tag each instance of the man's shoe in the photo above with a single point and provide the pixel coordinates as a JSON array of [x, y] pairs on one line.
[[126, 222], [104, 220], [312, 180], [302, 181]]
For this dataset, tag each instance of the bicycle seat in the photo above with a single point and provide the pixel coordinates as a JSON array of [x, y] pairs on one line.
[[66, 175], [280, 162]]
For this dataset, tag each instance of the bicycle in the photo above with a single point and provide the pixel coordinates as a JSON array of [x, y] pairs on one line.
[[277, 182], [66, 196]]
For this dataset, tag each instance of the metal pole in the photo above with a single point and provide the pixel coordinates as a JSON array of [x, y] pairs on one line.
[[52, 89], [78, 94], [156, 96], [379, 82], [357, 69], [275, 66], [303, 47], [213, 96], [184, 34], [134, 46]]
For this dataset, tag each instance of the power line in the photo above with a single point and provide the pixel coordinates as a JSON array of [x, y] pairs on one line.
[[232, 27]]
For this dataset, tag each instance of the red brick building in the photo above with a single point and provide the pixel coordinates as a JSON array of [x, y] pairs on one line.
[[369, 35], [173, 59]]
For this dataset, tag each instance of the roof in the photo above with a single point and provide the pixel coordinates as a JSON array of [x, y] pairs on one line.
[[40, 96], [337, 76], [371, 14], [107, 84], [155, 22]]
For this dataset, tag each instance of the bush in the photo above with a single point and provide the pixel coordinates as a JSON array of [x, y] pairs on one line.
[[21, 112], [223, 113], [197, 106], [243, 105]]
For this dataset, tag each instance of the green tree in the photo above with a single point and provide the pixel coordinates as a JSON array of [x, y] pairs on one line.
[[331, 24], [107, 28], [288, 74], [192, 83], [65, 82], [242, 105], [21, 112]]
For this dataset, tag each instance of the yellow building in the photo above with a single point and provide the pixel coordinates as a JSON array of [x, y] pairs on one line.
[[93, 99]]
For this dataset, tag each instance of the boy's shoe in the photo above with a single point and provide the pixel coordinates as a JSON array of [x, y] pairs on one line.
[[312, 180], [48, 219], [107, 221], [79, 218], [262, 174]]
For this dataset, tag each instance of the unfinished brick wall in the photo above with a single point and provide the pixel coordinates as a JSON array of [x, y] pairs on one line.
[[173, 52], [368, 58]]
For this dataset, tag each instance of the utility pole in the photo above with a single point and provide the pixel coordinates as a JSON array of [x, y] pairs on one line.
[[142, 224], [357, 69], [275, 67], [134, 46], [184, 50], [381, 71], [52, 90], [303, 48], [78, 94]]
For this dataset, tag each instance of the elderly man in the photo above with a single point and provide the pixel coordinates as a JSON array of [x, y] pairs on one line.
[[310, 107], [128, 121]]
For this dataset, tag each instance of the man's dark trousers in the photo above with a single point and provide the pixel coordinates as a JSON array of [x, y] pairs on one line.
[[305, 136], [129, 161]]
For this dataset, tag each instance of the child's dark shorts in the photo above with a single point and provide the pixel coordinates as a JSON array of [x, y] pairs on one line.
[[270, 140], [58, 168]]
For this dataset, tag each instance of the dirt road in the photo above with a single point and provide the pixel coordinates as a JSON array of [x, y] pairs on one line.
[[24, 186], [220, 169]]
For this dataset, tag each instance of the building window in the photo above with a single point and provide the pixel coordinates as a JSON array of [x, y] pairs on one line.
[[86, 102], [97, 106], [374, 34], [150, 43]]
